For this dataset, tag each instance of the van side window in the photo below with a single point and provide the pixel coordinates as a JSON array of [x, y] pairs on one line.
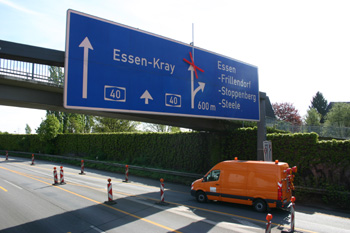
[[213, 175]]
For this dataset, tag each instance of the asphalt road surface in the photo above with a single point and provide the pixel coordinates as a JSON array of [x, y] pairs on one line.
[[29, 202]]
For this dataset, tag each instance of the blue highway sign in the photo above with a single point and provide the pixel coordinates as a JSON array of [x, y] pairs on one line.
[[113, 67]]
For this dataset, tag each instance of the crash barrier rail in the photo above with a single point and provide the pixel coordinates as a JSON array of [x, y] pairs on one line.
[[147, 169], [133, 167]]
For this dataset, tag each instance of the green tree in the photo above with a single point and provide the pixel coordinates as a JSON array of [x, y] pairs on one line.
[[75, 123], [105, 125], [72, 122], [161, 128], [320, 104], [56, 75], [339, 115], [338, 120], [49, 128], [28, 130], [88, 123], [313, 117]]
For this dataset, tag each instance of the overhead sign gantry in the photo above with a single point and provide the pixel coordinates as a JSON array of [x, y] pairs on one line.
[[113, 67]]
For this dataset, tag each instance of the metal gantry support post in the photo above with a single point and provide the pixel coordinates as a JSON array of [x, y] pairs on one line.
[[261, 127]]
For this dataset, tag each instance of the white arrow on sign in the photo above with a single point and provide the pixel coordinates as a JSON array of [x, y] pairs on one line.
[[87, 45], [147, 96]]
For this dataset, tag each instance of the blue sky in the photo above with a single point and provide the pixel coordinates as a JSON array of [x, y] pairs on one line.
[[299, 47]]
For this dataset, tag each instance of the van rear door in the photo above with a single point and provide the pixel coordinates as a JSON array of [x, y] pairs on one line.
[[285, 187]]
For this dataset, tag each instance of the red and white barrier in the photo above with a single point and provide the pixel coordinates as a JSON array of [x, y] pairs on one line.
[[55, 176], [292, 213], [268, 224], [82, 168], [162, 202], [62, 176], [32, 160], [110, 193], [126, 173], [7, 155], [162, 190]]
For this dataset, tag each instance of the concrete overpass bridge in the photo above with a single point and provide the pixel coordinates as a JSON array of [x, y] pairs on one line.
[[25, 82]]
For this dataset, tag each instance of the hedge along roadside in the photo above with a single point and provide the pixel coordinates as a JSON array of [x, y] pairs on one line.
[[329, 195], [320, 163]]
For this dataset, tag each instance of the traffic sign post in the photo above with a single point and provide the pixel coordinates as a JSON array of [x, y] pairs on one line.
[[113, 67]]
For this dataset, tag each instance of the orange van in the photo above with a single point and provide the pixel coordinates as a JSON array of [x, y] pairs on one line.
[[261, 184]]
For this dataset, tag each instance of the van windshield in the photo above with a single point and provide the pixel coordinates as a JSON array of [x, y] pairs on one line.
[[213, 175]]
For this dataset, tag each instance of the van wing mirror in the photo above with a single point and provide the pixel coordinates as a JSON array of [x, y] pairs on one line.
[[204, 179]]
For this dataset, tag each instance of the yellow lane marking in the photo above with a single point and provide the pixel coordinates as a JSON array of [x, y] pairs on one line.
[[192, 207], [103, 178], [97, 202], [3, 189]]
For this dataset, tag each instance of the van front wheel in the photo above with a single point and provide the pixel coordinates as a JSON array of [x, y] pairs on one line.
[[201, 197], [260, 205]]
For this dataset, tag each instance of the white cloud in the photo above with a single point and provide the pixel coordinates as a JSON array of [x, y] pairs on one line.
[[19, 8]]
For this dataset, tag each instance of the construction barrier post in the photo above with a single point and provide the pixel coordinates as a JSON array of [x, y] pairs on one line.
[[55, 176], [7, 155], [32, 160], [162, 190], [82, 168], [292, 213], [292, 216], [268, 224], [62, 176], [126, 173], [162, 202], [110, 194]]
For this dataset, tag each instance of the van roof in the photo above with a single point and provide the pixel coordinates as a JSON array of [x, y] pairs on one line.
[[254, 162]]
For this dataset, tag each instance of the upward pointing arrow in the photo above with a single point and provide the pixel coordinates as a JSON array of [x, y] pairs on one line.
[[147, 96], [86, 45]]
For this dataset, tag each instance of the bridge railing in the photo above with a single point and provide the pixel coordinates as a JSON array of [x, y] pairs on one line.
[[28, 71]]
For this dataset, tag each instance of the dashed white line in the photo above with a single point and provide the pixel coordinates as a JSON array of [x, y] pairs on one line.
[[12, 184], [96, 229]]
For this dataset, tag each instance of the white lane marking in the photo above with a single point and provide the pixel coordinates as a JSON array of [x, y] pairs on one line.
[[246, 223], [12, 184], [96, 229], [186, 212]]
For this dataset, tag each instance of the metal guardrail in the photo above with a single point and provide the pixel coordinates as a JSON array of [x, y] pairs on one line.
[[147, 169]]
